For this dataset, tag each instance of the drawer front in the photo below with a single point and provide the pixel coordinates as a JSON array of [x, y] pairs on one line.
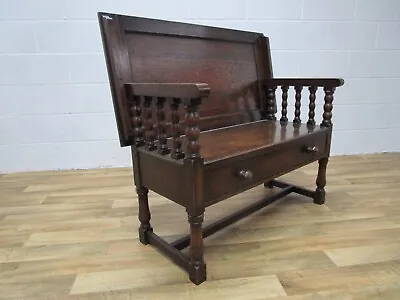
[[227, 180]]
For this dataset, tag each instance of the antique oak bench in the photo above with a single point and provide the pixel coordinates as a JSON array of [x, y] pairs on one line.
[[197, 105]]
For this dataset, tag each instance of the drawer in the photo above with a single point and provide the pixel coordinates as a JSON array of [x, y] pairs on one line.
[[225, 180]]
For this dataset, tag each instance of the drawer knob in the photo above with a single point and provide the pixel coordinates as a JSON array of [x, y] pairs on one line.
[[246, 174], [311, 149]]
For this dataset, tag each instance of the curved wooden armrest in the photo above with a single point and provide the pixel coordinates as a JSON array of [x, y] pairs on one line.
[[328, 82], [169, 90]]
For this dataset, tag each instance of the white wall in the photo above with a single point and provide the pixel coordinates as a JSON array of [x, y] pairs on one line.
[[55, 105]]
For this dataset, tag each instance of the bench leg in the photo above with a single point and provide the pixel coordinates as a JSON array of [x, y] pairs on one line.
[[197, 266], [319, 197], [144, 214], [269, 184]]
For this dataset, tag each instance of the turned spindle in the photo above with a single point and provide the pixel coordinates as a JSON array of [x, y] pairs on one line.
[[271, 103], [162, 128], [311, 113], [192, 132], [149, 127], [284, 117], [297, 104], [328, 99], [138, 129], [176, 152]]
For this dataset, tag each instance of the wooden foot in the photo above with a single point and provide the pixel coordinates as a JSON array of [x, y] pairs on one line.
[[197, 266], [144, 215], [143, 234], [319, 196], [197, 272], [269, 184]]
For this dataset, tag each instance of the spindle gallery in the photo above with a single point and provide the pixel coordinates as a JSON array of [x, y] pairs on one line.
[[198, 107]]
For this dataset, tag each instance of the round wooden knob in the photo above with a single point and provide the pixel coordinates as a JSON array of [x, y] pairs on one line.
[[311, 149], [246, 174]]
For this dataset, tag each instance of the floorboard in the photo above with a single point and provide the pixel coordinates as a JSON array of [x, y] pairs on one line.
[[73, 235]]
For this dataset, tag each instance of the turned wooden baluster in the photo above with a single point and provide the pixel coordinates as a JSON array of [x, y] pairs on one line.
[[271, 103], [192, 132], [327, 116], [297, 104], [311, 113], [177, 152], [162, 131], [149, 128], [138, 129], [284, 117]]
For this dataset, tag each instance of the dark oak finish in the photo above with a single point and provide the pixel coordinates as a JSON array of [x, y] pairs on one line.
[[197, 104], [311, 113], [150, 52], [318, 82], [172, 90], [276, 156], [248, 139]]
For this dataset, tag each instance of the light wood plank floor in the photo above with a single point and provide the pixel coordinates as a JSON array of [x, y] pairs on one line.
[[73, 234]]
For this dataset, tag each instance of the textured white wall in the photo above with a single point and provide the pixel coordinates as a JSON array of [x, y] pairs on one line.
[[55, 105]]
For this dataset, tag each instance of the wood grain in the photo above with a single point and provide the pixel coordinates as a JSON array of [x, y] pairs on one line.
[[225, 142], [232, 63], [73, 235]]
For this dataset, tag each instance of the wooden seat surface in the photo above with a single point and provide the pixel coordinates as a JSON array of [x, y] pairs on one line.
[[246, 138]]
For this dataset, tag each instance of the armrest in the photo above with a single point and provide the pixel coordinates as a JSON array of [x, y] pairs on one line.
[[169, 90], [189, 94], [329, 85], [329, 82]]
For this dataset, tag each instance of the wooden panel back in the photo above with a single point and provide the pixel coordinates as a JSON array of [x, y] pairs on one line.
[[231, 62]]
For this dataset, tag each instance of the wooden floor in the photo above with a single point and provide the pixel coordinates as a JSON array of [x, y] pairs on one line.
[[73, 234]]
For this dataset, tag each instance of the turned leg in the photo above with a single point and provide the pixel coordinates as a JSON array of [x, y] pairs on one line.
[[319, 197], [144, 214], [197, 266]]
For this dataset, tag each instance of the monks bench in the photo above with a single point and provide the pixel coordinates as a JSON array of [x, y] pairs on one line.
[[198, 107]]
